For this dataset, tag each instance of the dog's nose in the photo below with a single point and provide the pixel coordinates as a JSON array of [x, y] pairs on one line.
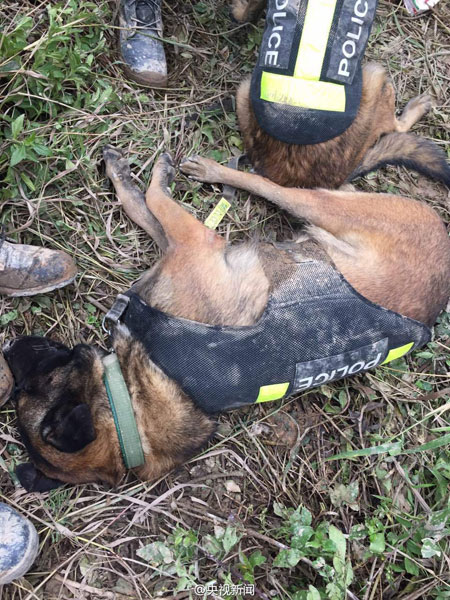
[[28, 353]]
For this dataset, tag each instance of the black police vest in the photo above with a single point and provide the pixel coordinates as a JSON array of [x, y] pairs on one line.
[[306, 87], [315, 329]]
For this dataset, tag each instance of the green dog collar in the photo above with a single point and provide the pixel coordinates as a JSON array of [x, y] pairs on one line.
[[122, 410]]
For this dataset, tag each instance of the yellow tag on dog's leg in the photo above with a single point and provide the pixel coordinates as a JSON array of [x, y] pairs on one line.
[[217, 213]]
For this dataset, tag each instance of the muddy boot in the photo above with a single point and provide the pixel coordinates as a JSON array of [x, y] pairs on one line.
[[27, 270], [140, 44], [19, 544], [6, 381]]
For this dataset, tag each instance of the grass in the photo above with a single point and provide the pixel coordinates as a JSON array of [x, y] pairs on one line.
[[269, 502]]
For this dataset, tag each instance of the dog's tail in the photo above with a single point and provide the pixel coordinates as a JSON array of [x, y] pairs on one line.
[[408, 150]]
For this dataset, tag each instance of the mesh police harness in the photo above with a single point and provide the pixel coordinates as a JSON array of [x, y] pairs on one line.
[[306, 87], [315, 329]]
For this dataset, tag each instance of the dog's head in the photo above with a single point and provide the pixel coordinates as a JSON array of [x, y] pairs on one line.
[[63, 414]]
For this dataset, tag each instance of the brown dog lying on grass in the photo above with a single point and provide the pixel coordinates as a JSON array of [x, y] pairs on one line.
[[392, 250], [375, 137]]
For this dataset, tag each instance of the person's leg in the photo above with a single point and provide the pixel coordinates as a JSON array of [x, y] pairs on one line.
[[19, 544], [140, 42]]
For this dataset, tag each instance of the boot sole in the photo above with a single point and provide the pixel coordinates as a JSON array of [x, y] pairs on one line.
[[11, 293], [150, 80], [27, 559]]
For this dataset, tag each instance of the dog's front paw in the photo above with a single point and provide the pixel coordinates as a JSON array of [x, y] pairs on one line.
[[202, 169], [117, 166]]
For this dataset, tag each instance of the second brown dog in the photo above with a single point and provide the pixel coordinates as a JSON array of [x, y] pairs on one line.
[[374, 139]]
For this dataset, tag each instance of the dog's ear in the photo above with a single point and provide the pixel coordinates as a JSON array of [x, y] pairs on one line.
[[68, 426], [35, 481]]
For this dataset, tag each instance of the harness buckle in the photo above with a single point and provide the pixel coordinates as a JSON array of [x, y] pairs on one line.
[[115, 312]]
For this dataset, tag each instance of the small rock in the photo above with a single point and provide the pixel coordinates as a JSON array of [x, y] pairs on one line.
[[232, 487]]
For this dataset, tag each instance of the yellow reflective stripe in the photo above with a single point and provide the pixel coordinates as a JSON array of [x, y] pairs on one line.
[[320, 95], [272, 392], [315, 34], [398, 352], [217, 214]]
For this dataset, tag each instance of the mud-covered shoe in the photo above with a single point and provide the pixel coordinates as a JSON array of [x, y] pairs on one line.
[[6, 381], [27, 270], [140, 42], [19, 544]]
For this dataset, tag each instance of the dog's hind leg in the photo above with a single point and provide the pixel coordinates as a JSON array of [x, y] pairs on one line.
[[180, 227], [130, 196], [337, 212], [333, 216]]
